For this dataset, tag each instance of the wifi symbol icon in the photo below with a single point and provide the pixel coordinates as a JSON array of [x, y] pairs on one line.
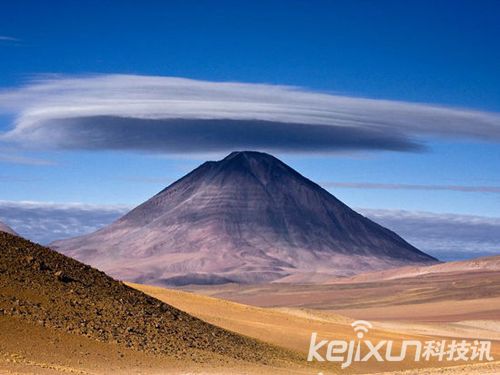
[[361, 327]]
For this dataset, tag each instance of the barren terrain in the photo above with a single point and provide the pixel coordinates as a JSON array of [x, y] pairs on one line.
[[60, 316], [291, 327], [433, 297], [55, 312]]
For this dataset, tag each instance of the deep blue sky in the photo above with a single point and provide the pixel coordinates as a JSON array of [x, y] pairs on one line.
[[428, 51], [441, 52]]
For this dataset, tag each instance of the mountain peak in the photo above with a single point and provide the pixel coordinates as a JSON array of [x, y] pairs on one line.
[[250, 154], [256, 166], [255, 157], [246, 218]]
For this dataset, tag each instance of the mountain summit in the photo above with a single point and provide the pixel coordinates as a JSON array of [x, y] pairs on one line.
[[246, 218]]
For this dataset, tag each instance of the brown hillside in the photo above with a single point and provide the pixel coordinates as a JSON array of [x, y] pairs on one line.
[[44, 287]]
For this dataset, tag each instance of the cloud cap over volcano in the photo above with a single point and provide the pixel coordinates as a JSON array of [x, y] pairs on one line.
[[175, 115]]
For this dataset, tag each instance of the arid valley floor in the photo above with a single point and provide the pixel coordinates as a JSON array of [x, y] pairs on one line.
[[444, 305]]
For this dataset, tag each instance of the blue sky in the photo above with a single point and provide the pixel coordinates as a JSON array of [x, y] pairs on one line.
[[439, 53]]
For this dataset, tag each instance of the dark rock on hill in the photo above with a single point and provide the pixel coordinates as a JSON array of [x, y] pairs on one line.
[[246, 218], [41, 286]]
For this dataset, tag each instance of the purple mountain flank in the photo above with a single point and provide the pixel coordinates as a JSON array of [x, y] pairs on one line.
[[248, 218], [5, 228]]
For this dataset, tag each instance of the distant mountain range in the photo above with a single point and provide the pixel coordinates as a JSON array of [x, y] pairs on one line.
[[469, 266], [248, 218]]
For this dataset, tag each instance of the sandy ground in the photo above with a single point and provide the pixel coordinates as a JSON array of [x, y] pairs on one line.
[[31, 349], [478, 369], [454, 269], [427, 307], [292, 327], [424, 298]]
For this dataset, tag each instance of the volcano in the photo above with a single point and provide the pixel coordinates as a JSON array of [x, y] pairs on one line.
[[248, 218]]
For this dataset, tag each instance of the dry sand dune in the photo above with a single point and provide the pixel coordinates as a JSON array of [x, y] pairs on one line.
[[477, 369], [467, 329], [292, 327], [433, 297], [457, 268]]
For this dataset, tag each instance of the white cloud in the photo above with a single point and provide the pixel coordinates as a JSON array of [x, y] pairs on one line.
[[164, 114], [45, 222], [446, 236]]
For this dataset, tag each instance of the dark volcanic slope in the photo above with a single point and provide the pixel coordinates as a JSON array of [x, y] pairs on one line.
[[44, 287], [246, 218]]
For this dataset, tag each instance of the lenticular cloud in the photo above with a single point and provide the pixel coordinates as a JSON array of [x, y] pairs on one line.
[[165, 114]]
